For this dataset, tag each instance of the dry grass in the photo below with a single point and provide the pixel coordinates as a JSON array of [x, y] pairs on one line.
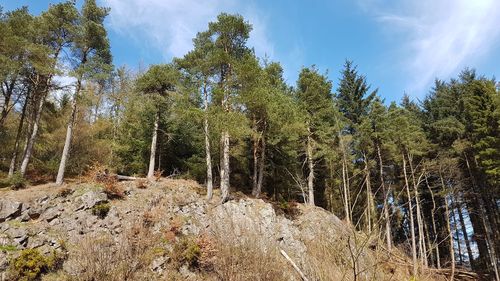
[[141, 183], [125, 258]]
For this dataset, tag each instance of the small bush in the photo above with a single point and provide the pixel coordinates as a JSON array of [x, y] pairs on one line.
[[64, 192], [101, 210], [113, 190], [158, 174], [30, 264], [289, 209], [141, 184], [186, 251], [16, 181]]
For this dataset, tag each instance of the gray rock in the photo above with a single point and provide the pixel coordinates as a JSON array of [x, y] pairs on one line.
[[50, 214], [9, 209], [92, 198]]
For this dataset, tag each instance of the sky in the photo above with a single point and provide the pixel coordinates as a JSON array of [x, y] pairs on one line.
[[401, 46]]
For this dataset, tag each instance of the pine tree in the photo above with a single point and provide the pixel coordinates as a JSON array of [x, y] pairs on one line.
[[92, 57]]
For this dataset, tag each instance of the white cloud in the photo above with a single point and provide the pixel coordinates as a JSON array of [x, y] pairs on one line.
[[170, 25], [439, 37]]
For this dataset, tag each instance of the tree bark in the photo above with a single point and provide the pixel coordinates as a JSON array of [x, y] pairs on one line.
[[421, 241], [224, 172], [208, 157], [490, 248], [466, 235], [369, 196], [154, 139], [310, 163], [32, 137], [412, 223], [388, 236], [69, 134], [452, 248], [38, 114], [434, 229], [262, 165], [13, 161]]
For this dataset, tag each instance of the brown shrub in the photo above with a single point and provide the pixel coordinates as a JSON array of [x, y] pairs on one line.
[[113, 190], [141, 184], [106, 259], [157, 174], [64, 192]]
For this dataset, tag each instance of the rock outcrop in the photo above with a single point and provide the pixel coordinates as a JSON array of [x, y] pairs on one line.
[[58, 220]]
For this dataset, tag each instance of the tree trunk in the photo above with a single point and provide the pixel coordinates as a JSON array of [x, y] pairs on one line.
[[5, 100], [224, 169], [452, 248], [388, 236], [38, 114], [434, 229], [208, 156], [457, 231], [310, 163], [154, 139], [490, 248], [421, 241], [34, 132], [255, 150], [466, 236], [262, 165], [13, 161], [69, 134], [369, 196], [412, 223]]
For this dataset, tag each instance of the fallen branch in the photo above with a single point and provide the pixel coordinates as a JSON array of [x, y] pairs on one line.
[[126, 178], [304, 278]]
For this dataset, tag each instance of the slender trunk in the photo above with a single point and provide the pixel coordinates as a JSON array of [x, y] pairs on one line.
[[369, 197], [154, 139], [457, 232], [5, 100], [310, 163], [32, 137], [487, 230], [38, 114], [69, 134], [412, 223], [262, 165], [452, 248], [255, 148], [421, 242], [13, 161], [388, 235], [466, 235], [208, 156], [429, 246], [224, 172], [434, 229]]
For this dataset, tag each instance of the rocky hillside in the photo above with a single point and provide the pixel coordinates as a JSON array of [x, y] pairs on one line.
[[165, 230]]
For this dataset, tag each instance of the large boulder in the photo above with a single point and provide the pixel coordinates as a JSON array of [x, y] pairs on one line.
[[92, 198], [9, 209]]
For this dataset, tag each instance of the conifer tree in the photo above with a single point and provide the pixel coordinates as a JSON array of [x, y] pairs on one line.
[[92, 60]]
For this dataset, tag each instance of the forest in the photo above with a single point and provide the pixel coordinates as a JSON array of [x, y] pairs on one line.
[[422, 175]]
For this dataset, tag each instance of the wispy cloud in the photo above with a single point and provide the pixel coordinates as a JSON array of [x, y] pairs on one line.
[[169, 26], [438, 37]]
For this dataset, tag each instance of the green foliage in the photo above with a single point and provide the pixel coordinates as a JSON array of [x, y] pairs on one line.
[[16, 181], [186, 251], [30, 264], [101, 210], [8, 248]]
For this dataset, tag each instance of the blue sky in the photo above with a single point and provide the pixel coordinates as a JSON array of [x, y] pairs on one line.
[[400, 45]]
